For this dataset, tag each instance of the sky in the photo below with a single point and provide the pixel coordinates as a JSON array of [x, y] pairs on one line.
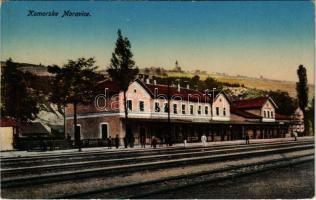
[[252, 38]]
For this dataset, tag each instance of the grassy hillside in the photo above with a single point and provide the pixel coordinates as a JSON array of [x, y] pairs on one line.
[[261, 84]]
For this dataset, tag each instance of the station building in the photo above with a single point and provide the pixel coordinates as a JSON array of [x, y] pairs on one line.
[[192, 113]]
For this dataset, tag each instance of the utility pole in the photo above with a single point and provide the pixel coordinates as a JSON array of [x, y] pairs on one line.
[[168, 96], [212, 102]]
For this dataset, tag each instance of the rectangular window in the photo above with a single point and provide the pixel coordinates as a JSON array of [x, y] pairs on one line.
[[141, 106], [271, 114], [206, 110], [183, 108], [268, 113], [166, 107], [175, 108], [191, 109], [129, 104], [224, 111], [217, 111], [199, 110], [157, 107], [264, 114]]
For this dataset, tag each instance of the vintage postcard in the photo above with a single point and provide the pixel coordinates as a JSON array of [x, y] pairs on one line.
[[157, 99]]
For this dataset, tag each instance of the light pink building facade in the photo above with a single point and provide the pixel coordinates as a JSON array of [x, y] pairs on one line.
[[192, 113]]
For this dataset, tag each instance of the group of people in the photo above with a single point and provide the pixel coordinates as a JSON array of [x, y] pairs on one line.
[[154, 141], [116, 142], [204, 140]]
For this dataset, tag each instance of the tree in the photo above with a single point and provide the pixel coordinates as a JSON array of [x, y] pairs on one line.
[[310, 114], [302, 92], [73, 84], [211, 83], [18, 101], [286, 104], [123, 71]]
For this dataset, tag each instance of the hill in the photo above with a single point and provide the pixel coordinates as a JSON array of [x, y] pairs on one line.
[[258, 83]]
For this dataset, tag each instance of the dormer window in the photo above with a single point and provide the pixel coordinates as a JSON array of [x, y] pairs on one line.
[[166, 108], [183, 108], [175, 108], [157, 107], [264, 114]]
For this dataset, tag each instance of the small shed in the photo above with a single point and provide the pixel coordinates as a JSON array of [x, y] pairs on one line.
[[34, 129], [7, 129]]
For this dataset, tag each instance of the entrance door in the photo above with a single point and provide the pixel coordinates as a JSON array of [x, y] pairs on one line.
[[78, 132], [104, 131]]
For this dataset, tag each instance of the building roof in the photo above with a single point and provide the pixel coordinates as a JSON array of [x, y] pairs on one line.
[[35, 128], [7, 122], [252, 103], [161, 91], [282, 117], [184, 94], [243, 113], [112, 87], [158, 90]]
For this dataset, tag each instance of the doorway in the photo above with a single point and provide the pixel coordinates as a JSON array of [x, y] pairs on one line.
[[104, 131]]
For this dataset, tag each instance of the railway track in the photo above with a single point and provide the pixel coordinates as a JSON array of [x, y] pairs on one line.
[[234, 161], [17, 162], [143, 190], [127, 167], [107, 162]]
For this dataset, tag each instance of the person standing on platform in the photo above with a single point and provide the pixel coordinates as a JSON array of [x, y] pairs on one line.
[[295, 135], [117, 141], [110, 143], [125, 142], [69, 141], [154, 142], [203, 140], [143, 141], [247, 138]]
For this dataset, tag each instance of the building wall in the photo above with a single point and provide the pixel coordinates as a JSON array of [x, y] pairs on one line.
[[100, 104], [268, 112], [136, 93], [222, 103], [90, 127], [6, 138], [298, 114]]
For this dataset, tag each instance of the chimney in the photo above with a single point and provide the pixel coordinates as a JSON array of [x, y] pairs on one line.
[[188, 86], [147, 81], [178, 87], [155, 82]]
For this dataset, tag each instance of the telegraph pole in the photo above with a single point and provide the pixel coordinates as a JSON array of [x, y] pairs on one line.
[[168, 96]]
